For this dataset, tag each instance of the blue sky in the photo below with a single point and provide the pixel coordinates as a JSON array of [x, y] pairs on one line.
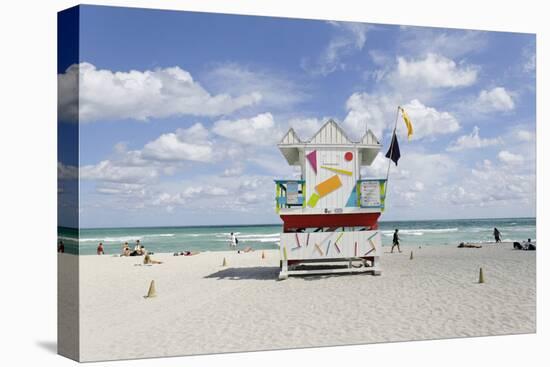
[[163, 95]]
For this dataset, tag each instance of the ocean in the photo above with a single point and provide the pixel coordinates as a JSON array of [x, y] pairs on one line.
[[216, 238]]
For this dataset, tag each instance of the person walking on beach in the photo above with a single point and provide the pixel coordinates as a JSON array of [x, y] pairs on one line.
[[496, 233], [61, 247], [100, 250], [233, 241], [395, 241]]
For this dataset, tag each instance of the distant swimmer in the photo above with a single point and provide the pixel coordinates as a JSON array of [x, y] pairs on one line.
[[395, 240]]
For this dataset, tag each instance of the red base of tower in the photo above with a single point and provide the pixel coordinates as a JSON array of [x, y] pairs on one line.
[[294, 222]]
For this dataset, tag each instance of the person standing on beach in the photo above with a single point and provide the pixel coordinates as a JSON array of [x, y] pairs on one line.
[[100, 250], [496, 233], [395, 241], [233, 241], [61, 247]]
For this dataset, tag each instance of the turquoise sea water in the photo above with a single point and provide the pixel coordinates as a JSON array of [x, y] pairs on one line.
[[216, 238]]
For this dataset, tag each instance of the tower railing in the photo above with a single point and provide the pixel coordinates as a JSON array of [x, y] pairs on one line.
[[369, 194], [290, 194]]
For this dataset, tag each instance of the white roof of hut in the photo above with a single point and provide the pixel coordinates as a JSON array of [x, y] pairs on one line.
[[330, 134]]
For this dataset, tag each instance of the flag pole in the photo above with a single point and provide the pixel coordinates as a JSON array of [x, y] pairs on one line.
[[391, 146]]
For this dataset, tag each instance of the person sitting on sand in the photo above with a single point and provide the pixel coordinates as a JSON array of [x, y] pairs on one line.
[[139, 250], [148, 260], [496, 233], [529, 246], [395, 240], [100, 250], [126, 251]]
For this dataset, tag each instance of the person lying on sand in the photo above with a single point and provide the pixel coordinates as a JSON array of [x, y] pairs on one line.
[[186, 253], [246, 249], [148, 260], [468, 245]]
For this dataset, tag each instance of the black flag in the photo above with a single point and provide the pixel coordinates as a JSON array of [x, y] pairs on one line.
[[393, 153]]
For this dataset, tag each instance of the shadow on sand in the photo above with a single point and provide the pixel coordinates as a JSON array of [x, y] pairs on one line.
[[271, 273], [255, 272]]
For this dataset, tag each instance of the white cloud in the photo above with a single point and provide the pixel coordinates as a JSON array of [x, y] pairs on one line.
[[493, 186], [530, 64], [529, 58], [372, 111], [67, 94], [215, 193], [113, 171], [141, 95], [66, 172], [418, 186], [434, 71], [133, 190], [450, 43], [427, 121], [526, 136], [349, 38], [184, 196], [185, 144], [510, 158], [277, 91], [496, 99], [472, 141], [235, 171], [257, 130], [306, 127], [416, 179], [377, 112]]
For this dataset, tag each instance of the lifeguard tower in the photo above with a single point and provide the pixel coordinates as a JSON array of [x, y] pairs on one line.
[[331, 214]]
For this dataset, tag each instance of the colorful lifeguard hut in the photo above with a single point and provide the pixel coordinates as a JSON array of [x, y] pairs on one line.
[[330, 215]]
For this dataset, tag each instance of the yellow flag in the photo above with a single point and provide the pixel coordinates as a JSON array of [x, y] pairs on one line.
[[407, 122]]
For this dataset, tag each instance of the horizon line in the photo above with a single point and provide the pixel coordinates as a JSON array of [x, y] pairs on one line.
[[280, 224]]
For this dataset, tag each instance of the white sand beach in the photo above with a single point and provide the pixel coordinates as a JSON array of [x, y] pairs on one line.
[[202, 307]]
